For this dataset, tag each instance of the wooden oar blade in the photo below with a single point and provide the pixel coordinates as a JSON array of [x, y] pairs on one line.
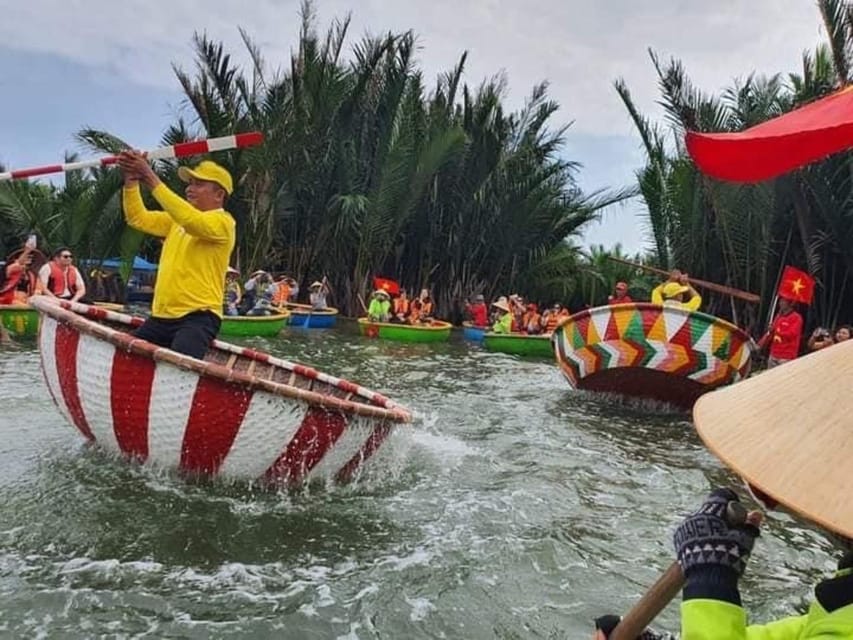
[[789, 432]]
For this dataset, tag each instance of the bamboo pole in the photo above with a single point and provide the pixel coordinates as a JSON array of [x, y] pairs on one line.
[[711, 286]]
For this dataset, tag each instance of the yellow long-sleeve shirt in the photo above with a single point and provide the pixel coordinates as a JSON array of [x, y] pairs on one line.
[[692, 304], [195, 254]]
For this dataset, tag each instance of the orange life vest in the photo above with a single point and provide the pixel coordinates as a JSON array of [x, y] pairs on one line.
[[56, 282], [282, 294], [401, 306], [553, 321], [531, 317]]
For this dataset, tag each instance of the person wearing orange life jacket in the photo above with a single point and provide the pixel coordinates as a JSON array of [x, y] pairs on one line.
[[60, 278], [401, 307], [517, 309], [426, 306], [532, 320], [553, 316], [282, 291]]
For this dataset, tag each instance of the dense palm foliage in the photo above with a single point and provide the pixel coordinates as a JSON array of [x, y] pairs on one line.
[[364, 171], [741, 235]]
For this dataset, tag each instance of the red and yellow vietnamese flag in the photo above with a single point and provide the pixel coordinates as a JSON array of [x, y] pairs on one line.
[[796, 285], [784, 143], [391, 287]]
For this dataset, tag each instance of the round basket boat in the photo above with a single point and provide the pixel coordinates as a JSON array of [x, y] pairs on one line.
[[435, 331], [650, 351], [519, 344], [254, 325], [303, 315], [239, 414], [19, 319], [472, 333]]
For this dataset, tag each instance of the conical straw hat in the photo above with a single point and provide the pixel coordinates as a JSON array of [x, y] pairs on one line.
[[789, 432]]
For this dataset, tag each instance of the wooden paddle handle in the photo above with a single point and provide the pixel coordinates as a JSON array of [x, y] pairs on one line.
[[711, 286], [664, 589]]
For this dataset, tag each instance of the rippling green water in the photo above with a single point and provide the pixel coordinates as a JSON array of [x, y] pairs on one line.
[[513, 508]]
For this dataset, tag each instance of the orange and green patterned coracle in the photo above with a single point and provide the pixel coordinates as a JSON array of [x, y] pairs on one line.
[[650, 351]]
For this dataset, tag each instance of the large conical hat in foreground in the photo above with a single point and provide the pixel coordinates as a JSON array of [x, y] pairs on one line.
[[789, 432]]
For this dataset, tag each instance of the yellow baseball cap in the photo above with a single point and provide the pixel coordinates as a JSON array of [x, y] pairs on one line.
[[672, 289], [208, 171]]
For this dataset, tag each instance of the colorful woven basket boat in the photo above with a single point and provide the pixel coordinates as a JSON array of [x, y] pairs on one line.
[[239, 414], [650, 351]]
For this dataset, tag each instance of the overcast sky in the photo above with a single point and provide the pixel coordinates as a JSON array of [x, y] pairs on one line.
[[65, 64]]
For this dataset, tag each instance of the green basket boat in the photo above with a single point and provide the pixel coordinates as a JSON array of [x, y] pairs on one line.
[[253, 325], [19, 319], [519, 344], [436, 331]]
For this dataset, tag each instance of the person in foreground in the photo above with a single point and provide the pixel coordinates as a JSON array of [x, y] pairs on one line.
[[713, 555], [199, 236]]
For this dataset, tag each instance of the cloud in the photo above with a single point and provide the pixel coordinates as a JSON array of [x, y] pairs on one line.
[[579, 47]]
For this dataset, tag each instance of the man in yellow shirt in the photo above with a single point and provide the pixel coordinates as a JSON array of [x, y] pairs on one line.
[[199, 236], [673, 291]]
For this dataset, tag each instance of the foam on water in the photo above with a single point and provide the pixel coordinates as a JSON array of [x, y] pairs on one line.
[[512, 508]]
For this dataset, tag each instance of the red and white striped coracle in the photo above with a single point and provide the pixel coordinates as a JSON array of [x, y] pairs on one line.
[[153, 405]]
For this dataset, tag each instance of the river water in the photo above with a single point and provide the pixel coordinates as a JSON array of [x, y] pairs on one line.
[[512, 508]]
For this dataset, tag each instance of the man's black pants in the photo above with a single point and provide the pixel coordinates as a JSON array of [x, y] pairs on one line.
[[190, 334]]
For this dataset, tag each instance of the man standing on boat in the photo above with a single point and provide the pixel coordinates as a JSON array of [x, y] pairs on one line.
[[672, 293], [199, 236]]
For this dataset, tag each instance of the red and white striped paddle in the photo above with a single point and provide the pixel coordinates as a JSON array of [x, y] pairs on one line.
[[180, 150]]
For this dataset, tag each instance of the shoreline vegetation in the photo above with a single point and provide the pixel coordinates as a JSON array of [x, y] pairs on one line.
[[369, 169]]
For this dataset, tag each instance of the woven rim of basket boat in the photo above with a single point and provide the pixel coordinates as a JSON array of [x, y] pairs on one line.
[[281, 315], [306, 309], [725, 324], [86, 319], [437, 325]]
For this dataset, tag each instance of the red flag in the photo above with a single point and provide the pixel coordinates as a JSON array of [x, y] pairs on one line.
[[774, 147], [796, 285], [391, 287]]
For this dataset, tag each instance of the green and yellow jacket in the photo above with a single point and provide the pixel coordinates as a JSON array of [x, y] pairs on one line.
[[713, 614]]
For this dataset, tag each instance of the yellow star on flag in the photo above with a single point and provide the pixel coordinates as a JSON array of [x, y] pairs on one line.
[[797, 286]]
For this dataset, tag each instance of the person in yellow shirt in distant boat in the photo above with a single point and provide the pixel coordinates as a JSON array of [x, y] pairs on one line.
[[677, 292], [199, 236]]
